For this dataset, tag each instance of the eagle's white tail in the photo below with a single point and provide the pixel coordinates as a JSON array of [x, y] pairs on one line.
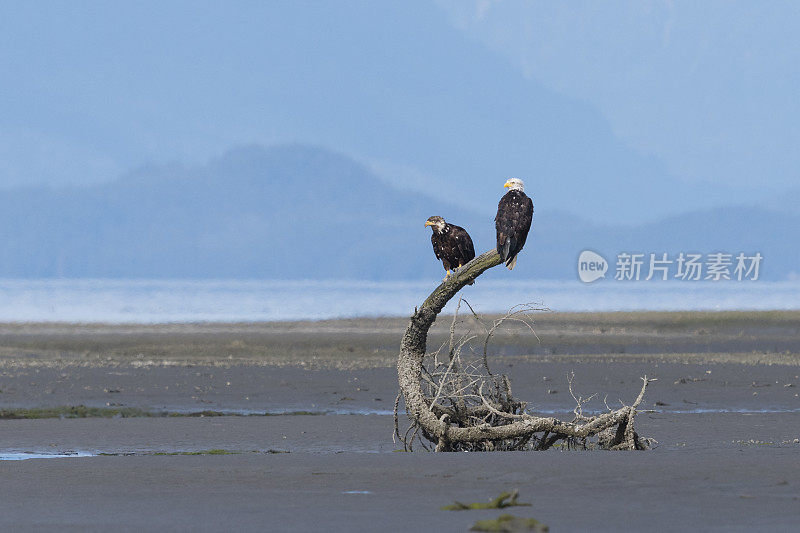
[[511, 264]]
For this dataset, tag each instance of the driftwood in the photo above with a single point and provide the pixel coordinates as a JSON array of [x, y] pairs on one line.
[[449, 408]]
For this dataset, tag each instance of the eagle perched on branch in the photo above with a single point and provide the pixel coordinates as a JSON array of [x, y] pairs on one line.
[[513, 221], [452, 244]]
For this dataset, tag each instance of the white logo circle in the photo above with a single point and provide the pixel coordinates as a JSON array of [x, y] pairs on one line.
[[591, 266]]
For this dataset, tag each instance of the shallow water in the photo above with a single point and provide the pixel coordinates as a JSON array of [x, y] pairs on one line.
[[547, 412], [150, 301], [723, 410], [21, 456]]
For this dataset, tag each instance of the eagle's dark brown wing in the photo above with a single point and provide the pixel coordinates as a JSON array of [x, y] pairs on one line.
[[463, 247]]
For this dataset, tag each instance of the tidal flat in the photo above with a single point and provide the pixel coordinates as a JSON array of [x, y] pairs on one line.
[[288, 426]]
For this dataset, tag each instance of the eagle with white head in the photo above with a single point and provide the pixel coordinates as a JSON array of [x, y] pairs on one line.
[[513, 221]]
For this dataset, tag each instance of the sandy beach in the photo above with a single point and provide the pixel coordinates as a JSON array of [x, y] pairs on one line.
[[296, 426]]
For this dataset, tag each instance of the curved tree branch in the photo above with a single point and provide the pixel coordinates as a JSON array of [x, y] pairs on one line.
[[433, 419]]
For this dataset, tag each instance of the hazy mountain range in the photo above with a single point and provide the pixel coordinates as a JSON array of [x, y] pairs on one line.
[[301, 212], [620, 113]]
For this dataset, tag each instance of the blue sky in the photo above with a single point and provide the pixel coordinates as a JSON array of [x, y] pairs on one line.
[[620, 112]]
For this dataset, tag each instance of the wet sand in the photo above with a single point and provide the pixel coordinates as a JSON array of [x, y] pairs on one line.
[[725, 412], [741, 490]]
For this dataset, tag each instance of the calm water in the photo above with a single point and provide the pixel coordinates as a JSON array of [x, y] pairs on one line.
[[21, 456], [189, 301]]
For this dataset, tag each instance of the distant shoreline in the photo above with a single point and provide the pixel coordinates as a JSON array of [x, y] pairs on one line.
[[730, 336]]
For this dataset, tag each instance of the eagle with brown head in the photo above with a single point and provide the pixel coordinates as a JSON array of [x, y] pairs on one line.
[[452, 244]]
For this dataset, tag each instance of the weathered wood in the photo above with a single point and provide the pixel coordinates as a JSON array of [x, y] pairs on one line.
[[414, 344], [409, 372]]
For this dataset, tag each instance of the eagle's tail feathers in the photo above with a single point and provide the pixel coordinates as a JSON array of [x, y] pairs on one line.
[[505, 249], [512, 263]]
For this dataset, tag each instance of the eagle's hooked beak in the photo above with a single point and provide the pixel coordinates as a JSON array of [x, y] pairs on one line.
[[428, 223], [508, 184]]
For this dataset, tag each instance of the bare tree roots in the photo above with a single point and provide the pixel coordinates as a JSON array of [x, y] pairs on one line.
[[456, 403]]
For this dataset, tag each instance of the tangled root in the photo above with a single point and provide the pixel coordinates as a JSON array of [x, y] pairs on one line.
[[456, 403]]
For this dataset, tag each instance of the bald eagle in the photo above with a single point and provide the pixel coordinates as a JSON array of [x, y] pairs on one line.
[[452, 244], [513, 221]]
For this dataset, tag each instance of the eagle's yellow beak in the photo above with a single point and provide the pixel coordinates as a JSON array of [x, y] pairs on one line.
[[428, 223], [508, 184]]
